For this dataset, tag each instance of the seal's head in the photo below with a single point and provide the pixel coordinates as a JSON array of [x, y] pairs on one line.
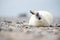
[[38, 16]]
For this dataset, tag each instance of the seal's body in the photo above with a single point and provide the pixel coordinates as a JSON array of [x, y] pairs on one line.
[[40, 18]]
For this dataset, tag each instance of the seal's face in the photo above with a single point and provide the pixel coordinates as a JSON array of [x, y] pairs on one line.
[[36, 14]]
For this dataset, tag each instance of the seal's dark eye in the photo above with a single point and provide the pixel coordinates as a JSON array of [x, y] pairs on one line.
[[37, 14]]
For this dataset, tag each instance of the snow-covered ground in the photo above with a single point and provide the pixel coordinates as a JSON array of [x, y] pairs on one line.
[[18, 29]]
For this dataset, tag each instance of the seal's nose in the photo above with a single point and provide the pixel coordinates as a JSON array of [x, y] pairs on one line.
[[39, 18]]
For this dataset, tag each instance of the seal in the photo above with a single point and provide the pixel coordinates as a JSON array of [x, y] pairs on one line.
[[40, 18]]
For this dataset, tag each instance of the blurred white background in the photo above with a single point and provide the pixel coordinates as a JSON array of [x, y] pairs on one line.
[[11, 8]]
